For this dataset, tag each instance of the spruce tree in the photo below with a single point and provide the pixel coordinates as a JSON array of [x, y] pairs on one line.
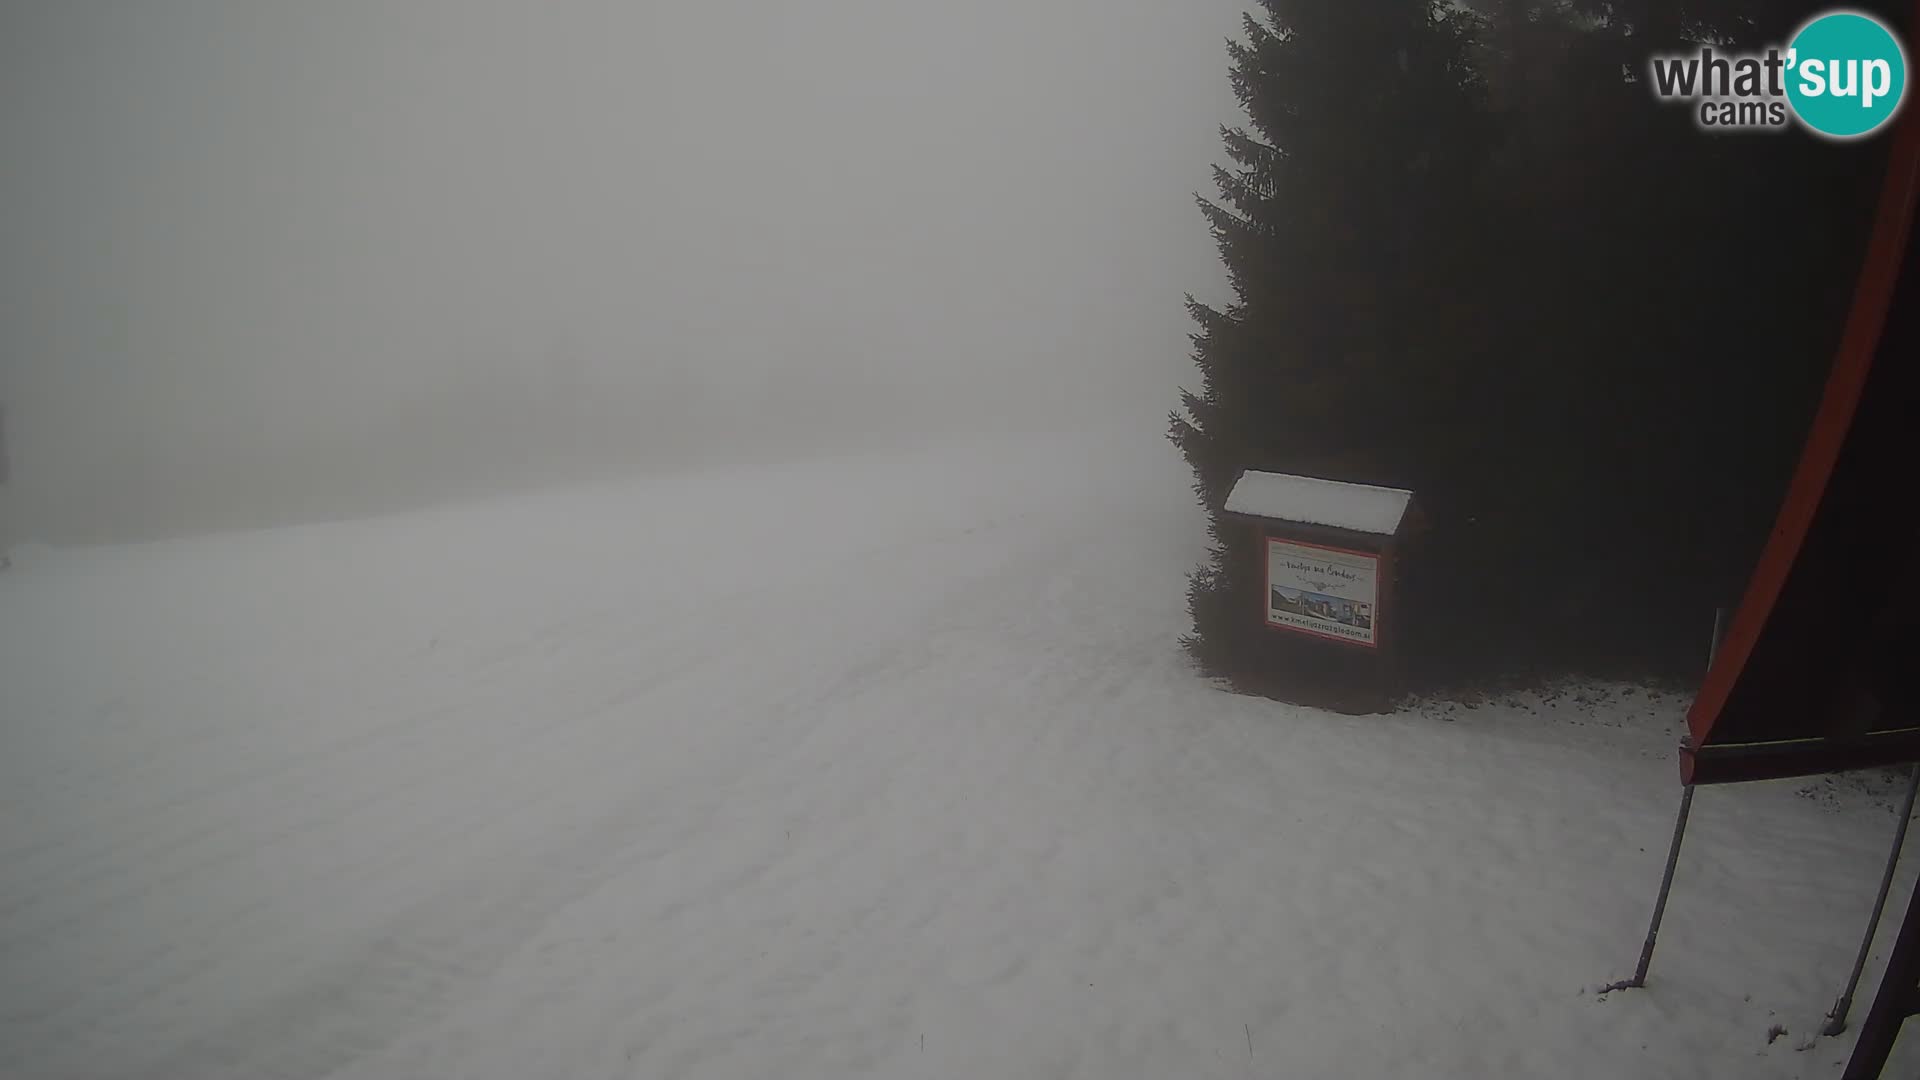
[[1342, 223]]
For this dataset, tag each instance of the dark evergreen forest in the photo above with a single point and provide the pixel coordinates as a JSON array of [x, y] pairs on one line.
[[1473, 256]]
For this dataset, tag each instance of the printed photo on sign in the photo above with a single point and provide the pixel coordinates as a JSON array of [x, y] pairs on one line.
[[1324, 608], [1322, 591]]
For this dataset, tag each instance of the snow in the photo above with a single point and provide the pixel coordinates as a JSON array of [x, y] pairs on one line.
[[849, 768], [1336, 504]]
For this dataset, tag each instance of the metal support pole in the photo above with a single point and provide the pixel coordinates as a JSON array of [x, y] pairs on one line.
[[1666, 886], [1837, 1016], [1895, 1000], [1660, 902], [1673, 855]]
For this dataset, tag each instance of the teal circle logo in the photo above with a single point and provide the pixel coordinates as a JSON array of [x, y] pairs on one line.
[[1846, 75]]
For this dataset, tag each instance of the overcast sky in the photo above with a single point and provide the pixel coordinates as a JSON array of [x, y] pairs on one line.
[[239, 230]]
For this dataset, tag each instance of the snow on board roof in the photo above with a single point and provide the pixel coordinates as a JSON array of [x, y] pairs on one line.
[[1332, 503]]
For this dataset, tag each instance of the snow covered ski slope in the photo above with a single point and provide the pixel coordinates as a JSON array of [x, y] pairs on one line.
[[862, 767]]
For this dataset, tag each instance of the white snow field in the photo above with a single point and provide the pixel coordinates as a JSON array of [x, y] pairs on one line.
[[865, 767]]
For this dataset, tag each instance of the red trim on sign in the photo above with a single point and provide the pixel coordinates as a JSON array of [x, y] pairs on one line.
[[1266, 594], [1382, 588], [1873, 295]]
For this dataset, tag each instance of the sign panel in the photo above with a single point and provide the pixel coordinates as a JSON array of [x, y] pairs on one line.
[[1327, 592]]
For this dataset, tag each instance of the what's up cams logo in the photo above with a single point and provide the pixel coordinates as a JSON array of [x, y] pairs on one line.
[[1842, 76]]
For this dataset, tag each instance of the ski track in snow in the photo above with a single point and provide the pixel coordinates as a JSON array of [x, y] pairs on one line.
[[857, 767]]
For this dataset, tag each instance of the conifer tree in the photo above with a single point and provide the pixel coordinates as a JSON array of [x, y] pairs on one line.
[[1339, 221]]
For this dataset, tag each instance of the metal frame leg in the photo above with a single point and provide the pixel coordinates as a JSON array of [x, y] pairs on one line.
[[1673, 852], [1897, 998], [1660, 902], [1666, 886], [1837, 1016]]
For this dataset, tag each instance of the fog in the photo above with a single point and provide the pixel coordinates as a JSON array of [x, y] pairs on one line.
[[267, 261]]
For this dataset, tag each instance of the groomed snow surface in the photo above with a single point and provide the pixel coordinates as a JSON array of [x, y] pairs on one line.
[[851, 768]]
